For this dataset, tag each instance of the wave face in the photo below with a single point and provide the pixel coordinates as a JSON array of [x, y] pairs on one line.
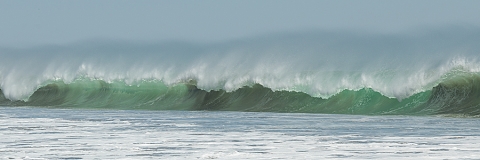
[[416, 73]]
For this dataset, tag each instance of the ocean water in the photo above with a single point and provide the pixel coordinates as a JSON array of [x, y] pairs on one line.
[[301, 95], [41, 133], [432, 72]]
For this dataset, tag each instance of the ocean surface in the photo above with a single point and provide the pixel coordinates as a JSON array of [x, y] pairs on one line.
[[299, 95], [41, 133]]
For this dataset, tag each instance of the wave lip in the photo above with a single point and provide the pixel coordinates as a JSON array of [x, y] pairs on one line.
[[456, 95]]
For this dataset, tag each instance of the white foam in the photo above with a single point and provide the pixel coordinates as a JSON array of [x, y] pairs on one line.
[[62, 134]]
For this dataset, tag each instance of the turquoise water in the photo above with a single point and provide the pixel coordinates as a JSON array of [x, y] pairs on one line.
[[456, 95], [39, 133]]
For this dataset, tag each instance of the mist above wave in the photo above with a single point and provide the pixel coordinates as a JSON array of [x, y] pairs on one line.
[[318, 63]]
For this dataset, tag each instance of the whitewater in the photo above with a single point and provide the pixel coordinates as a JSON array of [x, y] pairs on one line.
[[419, 72], [41, 133]]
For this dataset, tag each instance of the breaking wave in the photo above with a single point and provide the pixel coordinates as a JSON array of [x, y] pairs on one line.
[[316, 72]]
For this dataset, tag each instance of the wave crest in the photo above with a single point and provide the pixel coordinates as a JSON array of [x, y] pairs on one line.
[[457, 95]]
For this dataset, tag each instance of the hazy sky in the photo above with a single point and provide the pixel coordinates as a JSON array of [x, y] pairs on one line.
[[27, 23]]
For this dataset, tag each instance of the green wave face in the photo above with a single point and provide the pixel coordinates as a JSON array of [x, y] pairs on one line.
[[458, 95], [116, 95]]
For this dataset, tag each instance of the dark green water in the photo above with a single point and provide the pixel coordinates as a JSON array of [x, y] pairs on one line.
[[457, 96]]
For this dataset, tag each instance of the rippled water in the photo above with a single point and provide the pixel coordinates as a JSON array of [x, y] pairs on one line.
[[39, 133]]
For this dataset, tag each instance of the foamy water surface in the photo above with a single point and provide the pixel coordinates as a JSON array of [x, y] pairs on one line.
[[38, 133]]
